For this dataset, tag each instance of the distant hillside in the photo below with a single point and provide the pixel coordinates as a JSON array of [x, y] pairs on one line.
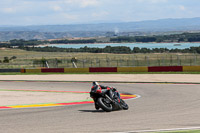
[[33, 35], [85, 30]]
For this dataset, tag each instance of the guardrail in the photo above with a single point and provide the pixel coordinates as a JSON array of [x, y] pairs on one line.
[[115, 69]]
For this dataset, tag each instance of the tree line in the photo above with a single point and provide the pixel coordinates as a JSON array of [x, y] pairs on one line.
[[65, 41], [117, 50], [184, 37], [22, 42]]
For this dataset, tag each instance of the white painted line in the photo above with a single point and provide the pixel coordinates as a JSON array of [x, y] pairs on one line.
[[137, 96], [161, 130]]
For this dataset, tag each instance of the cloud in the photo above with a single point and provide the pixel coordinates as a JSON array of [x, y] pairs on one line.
[[152, 1], [69, 16], [100, 14], [158, 1], [86, 3], [82, 3], [8, 10], [89, 11], [182, 8], [57, 8]]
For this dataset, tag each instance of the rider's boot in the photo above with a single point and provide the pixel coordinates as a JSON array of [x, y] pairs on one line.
[[96, 106]]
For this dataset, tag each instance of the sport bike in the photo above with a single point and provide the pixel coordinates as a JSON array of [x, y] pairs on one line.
[[107, 98]]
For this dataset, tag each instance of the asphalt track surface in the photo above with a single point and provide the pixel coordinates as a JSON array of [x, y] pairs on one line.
[[161, 106]]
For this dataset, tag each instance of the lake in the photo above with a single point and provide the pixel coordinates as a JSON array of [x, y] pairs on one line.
[[131, 45]]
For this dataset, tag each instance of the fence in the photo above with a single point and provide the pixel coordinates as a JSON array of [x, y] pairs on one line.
[[132, 60]]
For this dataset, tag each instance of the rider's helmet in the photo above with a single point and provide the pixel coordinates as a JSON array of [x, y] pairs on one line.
[[95, 83]]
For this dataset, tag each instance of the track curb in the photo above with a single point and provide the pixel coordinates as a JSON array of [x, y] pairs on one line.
[[124, 96]]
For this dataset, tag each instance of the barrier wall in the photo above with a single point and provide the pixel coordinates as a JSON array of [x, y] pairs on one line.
[[103, 69], [10, 70], [53, 70], [33, 70], [191, 68], [23, 71], [165, 69], [71, 70], [115, 69], [132, 69]]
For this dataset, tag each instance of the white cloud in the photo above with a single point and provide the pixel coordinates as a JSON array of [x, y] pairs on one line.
[[85, 3], [100, 14], [153, 1], [57, 8], [181, 7], [82, 3], [8, 10], [68, 16], [78, 11], [158, 1], [58, 18]]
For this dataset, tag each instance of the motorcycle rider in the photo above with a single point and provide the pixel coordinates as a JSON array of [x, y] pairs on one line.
[[105, 87]]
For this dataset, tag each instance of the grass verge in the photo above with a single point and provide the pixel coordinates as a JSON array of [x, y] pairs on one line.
[[188, 131], [32, 59]]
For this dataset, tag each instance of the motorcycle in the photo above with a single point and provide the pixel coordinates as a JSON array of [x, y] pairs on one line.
[[106, 98]]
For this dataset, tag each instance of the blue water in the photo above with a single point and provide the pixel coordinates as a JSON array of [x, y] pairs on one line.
[[131, 45]]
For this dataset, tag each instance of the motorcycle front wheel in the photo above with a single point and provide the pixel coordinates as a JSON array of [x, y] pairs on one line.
[[104, 104], [123, 104]]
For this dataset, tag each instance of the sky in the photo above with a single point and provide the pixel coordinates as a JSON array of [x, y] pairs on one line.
[[53, 12]]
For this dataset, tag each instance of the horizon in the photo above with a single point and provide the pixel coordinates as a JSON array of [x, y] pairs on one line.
[[98, 22], [69, 12]]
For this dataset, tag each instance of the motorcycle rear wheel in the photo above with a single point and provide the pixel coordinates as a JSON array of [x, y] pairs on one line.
[[104, 105]]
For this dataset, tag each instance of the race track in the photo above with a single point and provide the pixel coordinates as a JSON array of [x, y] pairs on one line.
[[161, 106]]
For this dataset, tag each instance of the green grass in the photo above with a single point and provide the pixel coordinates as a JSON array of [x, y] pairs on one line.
[[25, 59], [188, 131]]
